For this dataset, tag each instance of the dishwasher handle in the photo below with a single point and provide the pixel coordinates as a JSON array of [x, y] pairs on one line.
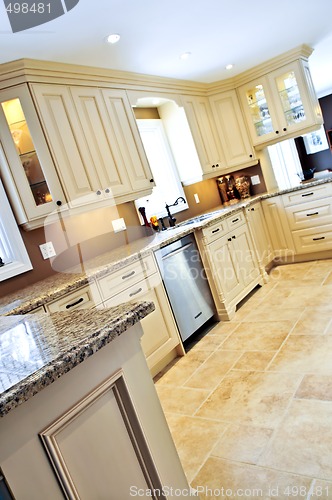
[[174, 252]]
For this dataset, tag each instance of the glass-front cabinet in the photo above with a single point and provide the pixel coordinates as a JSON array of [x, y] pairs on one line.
[[281, 104], [30, 163]]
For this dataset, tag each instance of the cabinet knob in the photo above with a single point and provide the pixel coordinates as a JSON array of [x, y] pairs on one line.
[[98, 192], [252, 209], [107, 190], [233, 237], [284, 129], [229, 239], [217, 165], [59, 203], [277, 131], [151, 180], [213, 166], [250, 156]]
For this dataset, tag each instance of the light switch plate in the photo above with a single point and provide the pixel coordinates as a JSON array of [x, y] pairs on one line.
[[255, 180], [47, 250], [119, 225]]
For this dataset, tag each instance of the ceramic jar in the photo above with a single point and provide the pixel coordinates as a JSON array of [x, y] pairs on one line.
[[243, 186]]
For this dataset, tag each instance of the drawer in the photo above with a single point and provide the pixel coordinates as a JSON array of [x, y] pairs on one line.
[[313, 239], [236, 220], [135, 292], [83, 298], [308, 194], [313, 214], [212, 233], [120, 280]]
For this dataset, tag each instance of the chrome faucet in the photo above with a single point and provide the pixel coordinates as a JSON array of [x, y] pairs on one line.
[[172, 219]]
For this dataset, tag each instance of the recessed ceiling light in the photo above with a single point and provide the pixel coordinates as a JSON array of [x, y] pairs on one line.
[[229, 66], [114, 38], [185, 55]]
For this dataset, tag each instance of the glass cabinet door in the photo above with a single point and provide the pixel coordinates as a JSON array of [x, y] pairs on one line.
[[259, 109], [290, 98], [26, 151], [29, 161]]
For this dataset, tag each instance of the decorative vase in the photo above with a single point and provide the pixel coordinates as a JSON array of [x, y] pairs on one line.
[[243, 186]]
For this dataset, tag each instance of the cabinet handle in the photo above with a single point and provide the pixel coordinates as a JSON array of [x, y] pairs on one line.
[[215, 230], [229, 239], [135, 293], [252, 209], [213, 166], [128, 275], [151, 180], [320, 238], [314, 213], [59, 203], [235, 220], [98, 192], [68, 306], [233, 237], [307, 194], [107, 190], [217, 165]]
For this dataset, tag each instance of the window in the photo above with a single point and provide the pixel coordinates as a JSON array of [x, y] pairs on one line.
[[286, 164], [13, 254], [168, 186]]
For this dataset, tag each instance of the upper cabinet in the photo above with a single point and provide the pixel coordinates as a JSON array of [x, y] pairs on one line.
[[204, 132], [28, 167], [95, 142], [281, 104], [231, 129]]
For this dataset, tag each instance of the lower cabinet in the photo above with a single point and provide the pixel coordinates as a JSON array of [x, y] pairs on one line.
[[276, 220], [161, 341], [230, 262], [260, 235], [96, 432]]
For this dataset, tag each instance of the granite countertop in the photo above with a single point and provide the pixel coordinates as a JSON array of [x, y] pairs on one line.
[[37, 349], [54, 287]]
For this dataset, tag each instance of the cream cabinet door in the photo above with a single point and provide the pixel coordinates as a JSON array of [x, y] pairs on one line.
[[224, 268], [232, 130], [245, 255], [259, 231], [278, 228], [65, 136], [129, 145], [203, 129]]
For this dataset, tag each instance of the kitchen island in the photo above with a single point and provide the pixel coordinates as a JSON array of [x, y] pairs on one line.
[[79, 413]]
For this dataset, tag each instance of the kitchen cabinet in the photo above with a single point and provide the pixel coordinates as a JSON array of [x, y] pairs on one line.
[[260, 235], [84, 297], [141, 281], [94, 139], [309, 217], [230, 261], [281, 104], [203, 128], [28, 170], [276, 220], [231, 129]]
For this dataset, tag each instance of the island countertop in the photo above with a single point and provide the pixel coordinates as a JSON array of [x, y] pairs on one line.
[[37, 349]]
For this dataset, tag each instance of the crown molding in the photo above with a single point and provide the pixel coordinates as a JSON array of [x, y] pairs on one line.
[[33, 70]]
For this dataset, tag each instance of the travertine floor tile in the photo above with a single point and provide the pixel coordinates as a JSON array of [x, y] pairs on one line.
[[250, 398], [315, 387], [254, 360], [313, 321], [302, 443], [320, 490], [262, 336], [181, 400], [304, 354], [194, 439], [222, 479], [210, 373], [242, 443], [183, 368]]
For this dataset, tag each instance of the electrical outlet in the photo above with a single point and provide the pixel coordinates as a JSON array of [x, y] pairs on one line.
[[196, 198], [47, 250], [119, 225], [255, 180]]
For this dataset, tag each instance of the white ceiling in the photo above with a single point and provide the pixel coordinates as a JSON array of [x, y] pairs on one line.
[[155, 32]]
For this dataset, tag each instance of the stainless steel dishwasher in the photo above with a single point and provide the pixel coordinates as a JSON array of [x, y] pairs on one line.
[[186, 284]]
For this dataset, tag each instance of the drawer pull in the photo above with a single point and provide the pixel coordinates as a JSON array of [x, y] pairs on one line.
[[235, 220], [320, 238], [68, 306], [314, 213], [126, 276], [135, 293], [307, 194], [229, 239], [215, 230]]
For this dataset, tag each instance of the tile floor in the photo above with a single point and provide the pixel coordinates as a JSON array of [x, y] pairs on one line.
[[250, 406]]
